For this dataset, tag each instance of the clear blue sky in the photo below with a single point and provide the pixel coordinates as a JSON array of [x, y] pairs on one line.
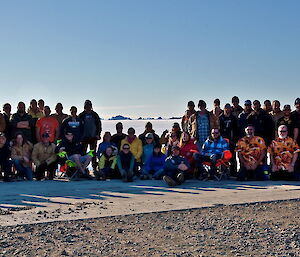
[[148, 58]]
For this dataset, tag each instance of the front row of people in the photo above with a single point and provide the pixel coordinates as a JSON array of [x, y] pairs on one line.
[[153, 164]]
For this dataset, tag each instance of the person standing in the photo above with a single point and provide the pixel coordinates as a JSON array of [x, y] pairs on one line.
[[188, 113], [91, 129], [119, 136], [59, 115]]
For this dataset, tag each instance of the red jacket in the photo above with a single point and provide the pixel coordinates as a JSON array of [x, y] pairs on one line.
[[188, 149]]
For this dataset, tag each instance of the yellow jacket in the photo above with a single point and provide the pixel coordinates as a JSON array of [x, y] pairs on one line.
[[136, 147], [112, 160]]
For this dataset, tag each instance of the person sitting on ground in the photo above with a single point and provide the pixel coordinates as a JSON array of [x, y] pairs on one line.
[[106, 143], [251, 151], [107, 165], [284, 153], [175, 167], [148, 129], [73, 124], [126, 163], [21, 156], [47, 124], [75, 153], [136, 146], [59, 115], [188, 113], [213, 150], [5, 162], [44, 158], [21, 122], [187, 150], [119, 136], [154, 166]]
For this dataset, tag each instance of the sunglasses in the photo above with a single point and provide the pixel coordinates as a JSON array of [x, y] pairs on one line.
[[126, 148], [283, 131]]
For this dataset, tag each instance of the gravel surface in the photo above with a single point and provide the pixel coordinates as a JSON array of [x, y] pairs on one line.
[[260, 229]]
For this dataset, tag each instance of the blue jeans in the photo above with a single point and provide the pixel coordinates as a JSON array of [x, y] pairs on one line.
[[22, 170]]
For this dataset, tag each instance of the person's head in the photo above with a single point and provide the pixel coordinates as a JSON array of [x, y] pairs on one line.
[[126, 148], [88, 106], [73, 111], [267, 106], [157, 149], [276, 105], [149, 138], [59, 108], [202, 105], [249, 130], [235, 101], [109, 151], [45, 138], [41, 104], [297, 104], [69, 136], [215, 133], [47, 111], [175, 127], [175, 150], [107, 136], [21, 108], [287, 110], [7, 108], [2, 138], [173, 136], [185, 137], [148, 126], [217, 102], [227, 109], [119, 127], [131, 132], [282, 131], [247, 106], [33, 104], [256, 105], [19, 139], [191, 105]]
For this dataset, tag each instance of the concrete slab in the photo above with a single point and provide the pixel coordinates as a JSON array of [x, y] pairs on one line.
[[45, 201]]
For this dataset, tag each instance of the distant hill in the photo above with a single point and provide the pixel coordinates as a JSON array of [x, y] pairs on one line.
[[119, 117]]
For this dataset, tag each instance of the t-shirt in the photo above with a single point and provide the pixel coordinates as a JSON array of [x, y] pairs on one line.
[[251, 148], [282, 150], [48, 125]]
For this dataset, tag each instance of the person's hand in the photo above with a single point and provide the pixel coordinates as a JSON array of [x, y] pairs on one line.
[[182, 166], [25, 159]]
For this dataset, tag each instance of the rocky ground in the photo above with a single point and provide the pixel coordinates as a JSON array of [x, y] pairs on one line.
[[260, 229]]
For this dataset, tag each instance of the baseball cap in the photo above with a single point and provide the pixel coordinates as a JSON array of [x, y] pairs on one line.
[[227, 106], [175, 147], [247, 102], [149, 135], [297, 101], [286, 107]]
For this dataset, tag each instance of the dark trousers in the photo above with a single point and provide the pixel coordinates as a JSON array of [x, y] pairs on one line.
[[5, 167], [22, 170], [260, 173], [92, 142], [41, 169], [211, 159], [284, 175], [173, 173]]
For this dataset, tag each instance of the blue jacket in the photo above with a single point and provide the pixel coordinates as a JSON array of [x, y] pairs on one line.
[[147, 152], [211, 147], [155, 162], [172, 162]]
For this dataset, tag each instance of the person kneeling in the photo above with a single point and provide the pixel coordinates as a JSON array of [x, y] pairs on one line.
[[126, 163], [284, 153], [175, 166]]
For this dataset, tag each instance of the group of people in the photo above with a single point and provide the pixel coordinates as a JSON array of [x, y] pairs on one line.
[[34, 142]]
